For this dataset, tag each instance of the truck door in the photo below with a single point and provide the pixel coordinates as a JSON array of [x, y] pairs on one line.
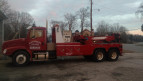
[[37, 40]]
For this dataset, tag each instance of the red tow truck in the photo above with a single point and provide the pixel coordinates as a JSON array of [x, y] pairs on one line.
[[35, 46]]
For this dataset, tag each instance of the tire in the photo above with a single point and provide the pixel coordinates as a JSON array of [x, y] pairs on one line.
[[21, 58], [99, 55], [113, 55]]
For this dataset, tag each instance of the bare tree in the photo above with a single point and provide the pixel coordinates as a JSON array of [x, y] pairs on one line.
[[71, 20], [4, 6], [103, 28], [139, 12], [123, 32], [122, 29], [25, 21], [17, 21], [115, 27], [83, 16]]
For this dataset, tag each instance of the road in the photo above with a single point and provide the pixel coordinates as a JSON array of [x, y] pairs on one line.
[[134, 47], [128, 68]]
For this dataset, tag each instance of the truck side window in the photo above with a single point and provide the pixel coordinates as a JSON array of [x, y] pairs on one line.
[[36, 33]]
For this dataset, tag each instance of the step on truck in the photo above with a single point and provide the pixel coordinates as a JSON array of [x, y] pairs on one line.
[[36, 46]]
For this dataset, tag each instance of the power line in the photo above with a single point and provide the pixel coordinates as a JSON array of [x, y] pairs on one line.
[[115, 9]]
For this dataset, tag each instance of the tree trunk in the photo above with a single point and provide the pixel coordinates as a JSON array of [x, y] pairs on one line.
[[81, 27]]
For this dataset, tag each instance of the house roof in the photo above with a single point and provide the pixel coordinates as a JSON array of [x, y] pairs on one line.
[[2, 16]]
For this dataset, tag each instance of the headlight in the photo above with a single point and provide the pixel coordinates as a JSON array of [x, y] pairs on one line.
[[5, 50]]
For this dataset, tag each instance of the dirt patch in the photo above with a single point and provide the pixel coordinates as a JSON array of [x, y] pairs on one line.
[[73, 76], [117, 74], [25, 76], [127, 74]]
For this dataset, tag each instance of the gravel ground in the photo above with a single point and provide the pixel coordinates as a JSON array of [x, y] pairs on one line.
[[127, 68]]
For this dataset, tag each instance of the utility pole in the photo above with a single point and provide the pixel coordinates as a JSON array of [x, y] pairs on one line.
[[47, 25], [2, 31], [142, 27], [91, 15]]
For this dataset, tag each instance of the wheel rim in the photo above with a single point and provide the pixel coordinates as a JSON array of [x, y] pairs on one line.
[[114, 55], [100, 56], [21, 59]]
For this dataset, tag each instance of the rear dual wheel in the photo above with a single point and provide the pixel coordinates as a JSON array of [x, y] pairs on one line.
[[113, 55], [99, 55]]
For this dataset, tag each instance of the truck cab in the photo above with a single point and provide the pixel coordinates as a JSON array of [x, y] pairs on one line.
[[36, 46]]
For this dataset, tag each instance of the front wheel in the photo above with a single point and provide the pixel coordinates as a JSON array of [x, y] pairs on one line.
[[20, 58], [99, 55], [113, 55]]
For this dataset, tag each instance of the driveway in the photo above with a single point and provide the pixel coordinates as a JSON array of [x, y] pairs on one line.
[[128, 68]]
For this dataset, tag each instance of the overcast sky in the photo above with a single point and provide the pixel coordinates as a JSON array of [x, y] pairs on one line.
[[111, 11]]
